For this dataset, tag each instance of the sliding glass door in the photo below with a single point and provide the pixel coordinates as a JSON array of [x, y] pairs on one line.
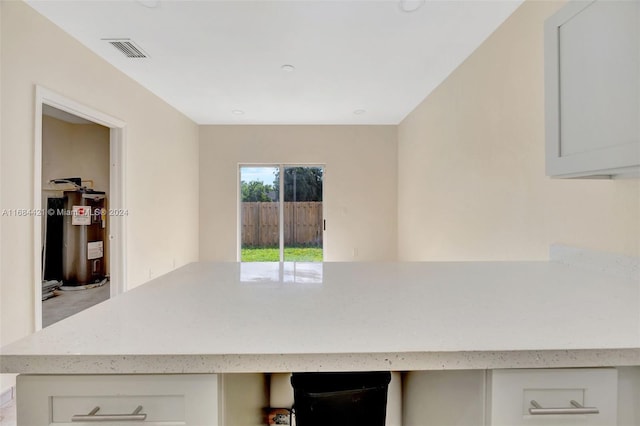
[[281, 217]]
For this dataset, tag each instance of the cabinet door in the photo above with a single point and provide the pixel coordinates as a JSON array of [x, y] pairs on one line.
[[592, 75], [511, 392], [44, 400]]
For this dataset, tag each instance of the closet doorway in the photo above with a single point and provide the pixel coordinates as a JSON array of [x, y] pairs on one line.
[[78, 187]]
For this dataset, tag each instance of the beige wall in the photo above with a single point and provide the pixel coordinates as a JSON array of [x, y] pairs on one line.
[[244, 397], [433, 398], [161, 153], [471, 178], [75, 150], [359, 186]]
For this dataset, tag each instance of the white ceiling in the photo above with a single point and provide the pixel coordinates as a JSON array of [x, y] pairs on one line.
[[209, 58]]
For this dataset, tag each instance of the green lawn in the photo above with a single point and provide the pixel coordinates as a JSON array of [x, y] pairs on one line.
[[291, 254]]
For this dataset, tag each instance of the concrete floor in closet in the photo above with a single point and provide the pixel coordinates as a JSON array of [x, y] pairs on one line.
[[71, 302]]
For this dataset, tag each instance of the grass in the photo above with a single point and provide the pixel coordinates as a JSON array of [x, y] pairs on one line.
[[291, 254]]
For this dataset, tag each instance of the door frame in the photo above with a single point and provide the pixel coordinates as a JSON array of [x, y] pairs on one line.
[[117, 199], [280, 166]]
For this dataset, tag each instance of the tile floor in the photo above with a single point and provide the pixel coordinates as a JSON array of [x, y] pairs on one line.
[[71, 302], [8, 414]]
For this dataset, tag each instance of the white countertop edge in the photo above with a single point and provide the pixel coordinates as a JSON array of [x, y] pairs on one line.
[[413, 361]]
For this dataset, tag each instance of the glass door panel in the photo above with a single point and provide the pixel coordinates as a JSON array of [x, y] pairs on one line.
[[259, 214], [303, 221]]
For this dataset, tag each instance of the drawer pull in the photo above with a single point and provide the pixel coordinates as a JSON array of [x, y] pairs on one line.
[[93, 417], [576, 409]]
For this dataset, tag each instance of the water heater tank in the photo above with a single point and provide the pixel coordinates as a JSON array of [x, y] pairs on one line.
[[84, 237]]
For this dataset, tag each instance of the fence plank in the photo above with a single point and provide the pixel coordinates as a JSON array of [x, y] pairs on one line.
[[302, 224]]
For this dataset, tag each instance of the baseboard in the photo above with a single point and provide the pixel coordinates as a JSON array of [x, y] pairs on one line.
[[7, 395]]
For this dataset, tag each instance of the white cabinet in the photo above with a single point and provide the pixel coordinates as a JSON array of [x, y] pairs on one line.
[[503, 397], [164, 400], [592, 89], [553, 397]]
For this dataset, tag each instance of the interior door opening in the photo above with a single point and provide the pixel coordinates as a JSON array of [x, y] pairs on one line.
[[78, 240], [75, 196], [281, 214]]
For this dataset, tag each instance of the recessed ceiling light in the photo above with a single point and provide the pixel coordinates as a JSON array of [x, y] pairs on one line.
[[288, 68], [359, 111], [237, 112], [410, 5]]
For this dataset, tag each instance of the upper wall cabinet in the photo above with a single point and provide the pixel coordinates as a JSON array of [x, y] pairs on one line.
[[592, 89]]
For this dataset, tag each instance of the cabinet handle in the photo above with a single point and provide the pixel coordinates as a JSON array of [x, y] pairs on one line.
[[576, 409], [93, 417]]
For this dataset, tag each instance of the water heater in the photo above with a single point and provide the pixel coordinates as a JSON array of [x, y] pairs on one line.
[[84, 237]]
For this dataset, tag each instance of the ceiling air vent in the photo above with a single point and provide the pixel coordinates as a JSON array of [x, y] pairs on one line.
[[127, 47]]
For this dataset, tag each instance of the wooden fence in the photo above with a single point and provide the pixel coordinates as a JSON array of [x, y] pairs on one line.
[[302, 224]]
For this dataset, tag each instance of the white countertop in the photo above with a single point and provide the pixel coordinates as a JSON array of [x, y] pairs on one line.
[[230, 317]]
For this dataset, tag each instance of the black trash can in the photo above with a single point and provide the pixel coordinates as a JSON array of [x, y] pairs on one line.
[[340, 399]]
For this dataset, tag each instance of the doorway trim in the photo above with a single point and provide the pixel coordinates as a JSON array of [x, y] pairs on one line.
[[117, 200]]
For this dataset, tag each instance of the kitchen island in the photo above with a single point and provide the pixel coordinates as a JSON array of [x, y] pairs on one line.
[[170, 349], [282, 317]]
